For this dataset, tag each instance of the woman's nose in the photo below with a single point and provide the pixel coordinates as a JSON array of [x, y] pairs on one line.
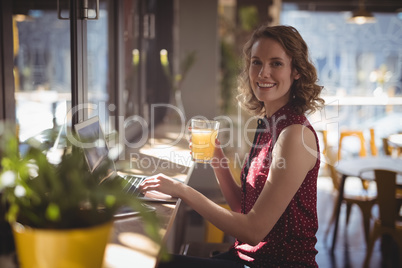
[[264, 72]]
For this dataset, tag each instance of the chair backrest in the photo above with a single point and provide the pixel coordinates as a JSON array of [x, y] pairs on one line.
[[385, 146], [357, 134], [386, 196], [373, 147], [324, 140], [360, 136]]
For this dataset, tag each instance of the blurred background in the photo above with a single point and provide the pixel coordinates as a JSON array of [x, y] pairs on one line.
[[130, 61], [119, 73]]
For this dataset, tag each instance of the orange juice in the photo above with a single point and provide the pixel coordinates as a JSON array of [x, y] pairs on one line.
[[203, 144]]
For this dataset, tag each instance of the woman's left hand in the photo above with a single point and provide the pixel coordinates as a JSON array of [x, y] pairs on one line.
[[163, 184]]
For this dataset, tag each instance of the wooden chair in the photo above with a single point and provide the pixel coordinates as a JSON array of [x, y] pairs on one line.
[[389, 210], [385, 146], [364, 201], [373, 146], [324, 147], [390, 149], [324, 134], [363, 151], [360, 136]]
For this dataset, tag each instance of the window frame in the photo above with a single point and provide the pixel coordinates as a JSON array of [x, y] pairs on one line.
[[7, 100]]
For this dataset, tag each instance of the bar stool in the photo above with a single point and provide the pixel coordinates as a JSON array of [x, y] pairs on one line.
[[204, 250], [214, 241], [212, 245], [212, 233]]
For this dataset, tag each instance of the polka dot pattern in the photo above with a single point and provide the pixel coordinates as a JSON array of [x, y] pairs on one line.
[[291, 242]]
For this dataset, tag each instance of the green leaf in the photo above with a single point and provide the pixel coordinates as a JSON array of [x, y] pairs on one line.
[[53, 212], [12, 213], [110, 200]]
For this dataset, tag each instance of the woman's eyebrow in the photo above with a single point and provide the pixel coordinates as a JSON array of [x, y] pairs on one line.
[[273, 58], [276, 58]]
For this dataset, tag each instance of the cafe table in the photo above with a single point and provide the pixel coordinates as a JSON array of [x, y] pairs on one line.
[[166, 152], [362, 167]]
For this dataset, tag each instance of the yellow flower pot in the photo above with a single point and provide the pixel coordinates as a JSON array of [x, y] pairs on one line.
[[78, 248]]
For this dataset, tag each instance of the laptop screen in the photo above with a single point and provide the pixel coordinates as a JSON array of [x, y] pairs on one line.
[[93, 143]]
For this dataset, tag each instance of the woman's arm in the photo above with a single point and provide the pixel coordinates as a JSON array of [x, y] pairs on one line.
[[291, 162], [230, 189]]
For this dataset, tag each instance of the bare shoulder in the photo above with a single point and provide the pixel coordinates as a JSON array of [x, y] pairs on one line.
[[298, 133], [298, 140]]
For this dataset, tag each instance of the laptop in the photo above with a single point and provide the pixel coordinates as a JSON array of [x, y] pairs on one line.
[[96, 153]]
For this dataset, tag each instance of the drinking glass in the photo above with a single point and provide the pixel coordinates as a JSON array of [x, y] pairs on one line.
[[203, 135]]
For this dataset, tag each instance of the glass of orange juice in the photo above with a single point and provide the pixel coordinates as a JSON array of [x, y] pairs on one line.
[[203, 135]]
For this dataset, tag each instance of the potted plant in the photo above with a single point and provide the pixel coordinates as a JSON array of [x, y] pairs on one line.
[[48, 205]]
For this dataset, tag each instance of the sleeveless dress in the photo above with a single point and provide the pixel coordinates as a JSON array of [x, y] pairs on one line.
[[291, 242]]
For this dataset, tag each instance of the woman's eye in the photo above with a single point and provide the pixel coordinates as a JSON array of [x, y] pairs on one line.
[[277, 64], [255, 62]]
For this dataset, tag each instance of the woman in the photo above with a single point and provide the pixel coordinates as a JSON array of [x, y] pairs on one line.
[[274, 216]]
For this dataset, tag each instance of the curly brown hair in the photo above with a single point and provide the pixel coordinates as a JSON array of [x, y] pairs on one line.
[[304, 92]]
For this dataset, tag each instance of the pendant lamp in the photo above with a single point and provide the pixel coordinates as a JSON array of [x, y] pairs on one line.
[[361, 15]]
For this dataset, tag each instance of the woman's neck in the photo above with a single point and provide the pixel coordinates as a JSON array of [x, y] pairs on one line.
[[271, 109]]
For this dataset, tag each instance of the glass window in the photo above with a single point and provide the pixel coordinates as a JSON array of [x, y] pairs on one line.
[[98, 67], [42, 65], [41, 70], [360, 67]]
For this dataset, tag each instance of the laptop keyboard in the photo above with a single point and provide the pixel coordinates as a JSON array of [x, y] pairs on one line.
[[132, 185]]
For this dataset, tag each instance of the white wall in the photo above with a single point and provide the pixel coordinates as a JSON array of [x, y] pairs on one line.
[[198, 30]]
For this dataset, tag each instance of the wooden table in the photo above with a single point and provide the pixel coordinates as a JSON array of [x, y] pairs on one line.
[[129, 245], [355, 168]]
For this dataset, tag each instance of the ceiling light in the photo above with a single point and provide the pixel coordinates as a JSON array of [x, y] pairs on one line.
[[361, 15], [399, 13]]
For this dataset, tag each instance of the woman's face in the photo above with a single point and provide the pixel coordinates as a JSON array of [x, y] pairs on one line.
[[271, 74]]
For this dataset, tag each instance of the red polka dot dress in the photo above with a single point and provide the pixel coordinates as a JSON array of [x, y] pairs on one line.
[[291, 242]]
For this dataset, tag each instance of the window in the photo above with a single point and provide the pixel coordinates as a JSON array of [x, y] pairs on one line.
[[49, 68], [360, 67], [107, 66]]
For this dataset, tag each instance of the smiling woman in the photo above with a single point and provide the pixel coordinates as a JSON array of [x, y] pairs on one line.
[[271, 74], [292, 54], [274, 211]]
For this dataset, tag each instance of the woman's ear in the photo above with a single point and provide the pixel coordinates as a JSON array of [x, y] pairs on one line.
[[297, 75]]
